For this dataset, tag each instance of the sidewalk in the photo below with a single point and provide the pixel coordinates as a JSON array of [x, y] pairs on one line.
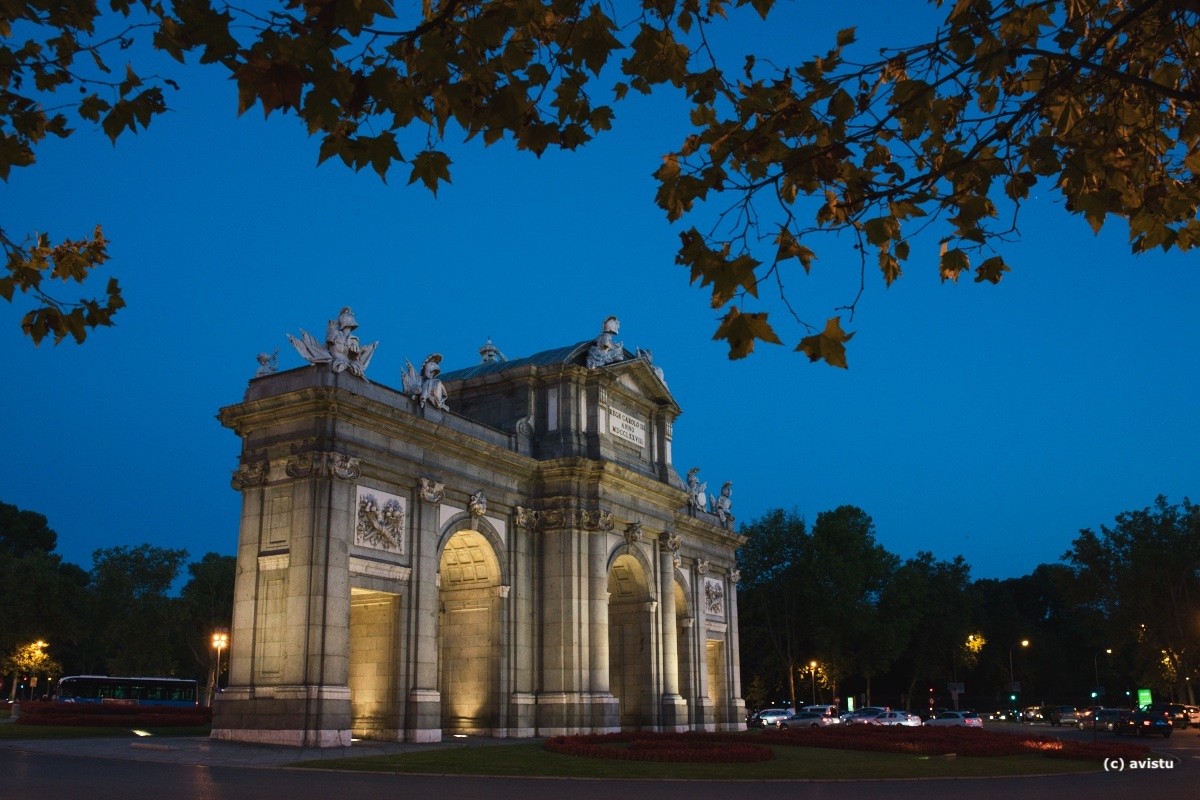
[[198, 750]]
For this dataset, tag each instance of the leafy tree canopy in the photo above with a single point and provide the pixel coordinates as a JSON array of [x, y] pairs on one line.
[[1143, 575], [1090, 99]]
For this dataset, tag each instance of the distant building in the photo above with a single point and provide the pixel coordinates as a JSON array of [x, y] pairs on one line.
[[503, 550]]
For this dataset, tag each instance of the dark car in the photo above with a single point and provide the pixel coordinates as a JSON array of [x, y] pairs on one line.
[[1104, 719], [1061, 715], [1143, 723], [1176, 712]]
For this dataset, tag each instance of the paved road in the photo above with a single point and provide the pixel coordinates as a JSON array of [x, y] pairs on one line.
[[197, 769]]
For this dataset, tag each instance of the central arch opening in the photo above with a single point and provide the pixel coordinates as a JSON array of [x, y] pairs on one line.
[[469, 622], [630, 633]]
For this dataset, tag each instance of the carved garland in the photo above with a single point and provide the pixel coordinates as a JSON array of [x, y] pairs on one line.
[[553, 519], [337, 465]]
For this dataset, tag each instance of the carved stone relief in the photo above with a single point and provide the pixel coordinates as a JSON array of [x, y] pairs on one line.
[[432, 491], [552, 519], [337, 465], [379, 520], [714, 596]]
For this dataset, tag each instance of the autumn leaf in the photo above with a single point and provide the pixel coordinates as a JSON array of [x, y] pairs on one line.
[[741, 330], [829, 345], [430, 167]]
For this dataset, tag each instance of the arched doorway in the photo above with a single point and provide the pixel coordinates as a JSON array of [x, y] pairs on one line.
[[630, 634], [468, 634]]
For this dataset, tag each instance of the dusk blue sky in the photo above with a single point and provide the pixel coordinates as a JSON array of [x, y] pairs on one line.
[[991, 422]]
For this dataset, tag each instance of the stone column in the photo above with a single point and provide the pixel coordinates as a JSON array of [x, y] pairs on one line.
[[423, 705], [736, 704], [703, 716], [567, 700], [598, 678], [521, 701], [674, 709]]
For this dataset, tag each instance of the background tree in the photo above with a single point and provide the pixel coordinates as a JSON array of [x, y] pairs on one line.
[[205, 604], [1090, 100], [32, 660], [131, 611], [41, 596], [773, 595], [849, 572], [1143, 576], [927, 602]]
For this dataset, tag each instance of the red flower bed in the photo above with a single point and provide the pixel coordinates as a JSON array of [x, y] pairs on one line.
[[961, 741], [699, 747], [112, 715], [661, 747]]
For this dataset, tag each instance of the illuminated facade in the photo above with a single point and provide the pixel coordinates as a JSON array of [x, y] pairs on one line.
[[515, 557]]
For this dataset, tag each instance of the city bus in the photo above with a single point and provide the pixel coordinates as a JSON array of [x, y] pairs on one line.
[[129, 691]]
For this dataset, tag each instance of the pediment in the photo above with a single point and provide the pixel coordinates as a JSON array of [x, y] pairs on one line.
[[639, 377]]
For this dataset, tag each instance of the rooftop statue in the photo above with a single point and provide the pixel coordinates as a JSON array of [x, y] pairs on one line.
[[722, 506], [342, 350], [604, 350], [695, 490], [268, 363], [425, 387], [490, 353]]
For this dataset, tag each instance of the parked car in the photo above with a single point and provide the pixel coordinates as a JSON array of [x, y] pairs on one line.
[[1104, 719], [1061, 715], [862, 715], [827, 710], [1144, 723], [896, 718], [1175, 712], [965, 719], [1004, 715], [807, 719], [767, 717], [1193, 715]]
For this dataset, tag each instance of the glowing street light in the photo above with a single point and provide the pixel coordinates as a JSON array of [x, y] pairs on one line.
[[812, 667], [220, 640]]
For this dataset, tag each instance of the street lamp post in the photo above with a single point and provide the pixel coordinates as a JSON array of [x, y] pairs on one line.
[[1012, 678], [220, 640], [812, 668], [1096, 667]]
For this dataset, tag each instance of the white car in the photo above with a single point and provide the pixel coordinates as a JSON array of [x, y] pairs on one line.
[[865, 714], [965, 719], [807, 719], [896, 718], [768, 717]]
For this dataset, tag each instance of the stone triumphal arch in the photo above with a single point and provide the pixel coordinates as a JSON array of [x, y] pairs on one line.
[[501, 550]]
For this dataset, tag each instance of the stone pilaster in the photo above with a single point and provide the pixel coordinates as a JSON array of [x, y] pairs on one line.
[[423, 704]]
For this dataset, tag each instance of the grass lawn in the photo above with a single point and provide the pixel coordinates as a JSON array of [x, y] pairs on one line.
[[790, 763]]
